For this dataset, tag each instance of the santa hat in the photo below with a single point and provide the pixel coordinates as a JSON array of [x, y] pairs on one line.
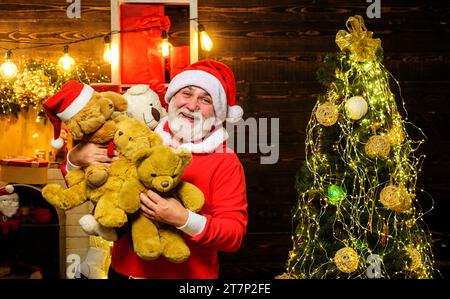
[[5, 190], [218, 80], [63, 105]]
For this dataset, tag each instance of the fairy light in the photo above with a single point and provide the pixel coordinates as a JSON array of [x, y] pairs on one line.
[[8, 69], [66, 62], [360, 221], [165, 48]]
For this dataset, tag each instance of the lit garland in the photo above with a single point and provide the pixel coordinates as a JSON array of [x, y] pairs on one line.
[[359, 223], [37, 81]]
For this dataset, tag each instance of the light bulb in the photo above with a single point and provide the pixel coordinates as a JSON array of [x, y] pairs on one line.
[[205, 41], [107, 55], [66, 62], [164, 48], [8, 68]]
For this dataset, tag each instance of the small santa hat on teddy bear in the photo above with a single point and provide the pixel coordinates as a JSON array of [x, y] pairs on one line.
[[64, 104]]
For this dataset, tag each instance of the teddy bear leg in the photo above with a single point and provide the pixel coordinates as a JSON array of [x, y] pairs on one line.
[[108, 215], [174, 247], [65, 199], [146, 241], [128, 199], [96, 175]]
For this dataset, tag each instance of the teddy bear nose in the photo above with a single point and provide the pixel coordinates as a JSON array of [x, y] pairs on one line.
[[120, 133], [164, 184]]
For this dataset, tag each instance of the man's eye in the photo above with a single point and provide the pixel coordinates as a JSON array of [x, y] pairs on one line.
[[186, 94], [206, 100]]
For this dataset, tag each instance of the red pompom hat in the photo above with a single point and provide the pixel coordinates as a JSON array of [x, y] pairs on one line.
[[218, 80], [64, 104]]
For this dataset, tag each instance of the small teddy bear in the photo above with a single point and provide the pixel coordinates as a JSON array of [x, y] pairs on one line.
[[144, 104]]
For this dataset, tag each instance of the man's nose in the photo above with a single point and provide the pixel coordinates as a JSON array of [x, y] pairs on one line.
[[192, 104]]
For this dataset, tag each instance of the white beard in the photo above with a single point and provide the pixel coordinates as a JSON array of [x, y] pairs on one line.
[[183, 129]]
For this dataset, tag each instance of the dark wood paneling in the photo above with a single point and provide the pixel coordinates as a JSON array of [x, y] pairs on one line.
[[275, 49]]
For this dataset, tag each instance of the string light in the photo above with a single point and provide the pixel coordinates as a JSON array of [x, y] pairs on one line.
[[205, 41], [360, 221], [66, 62], [8, 69], [165, 48]]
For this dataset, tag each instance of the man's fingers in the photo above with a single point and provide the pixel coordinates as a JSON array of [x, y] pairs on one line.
[[147, 202], [154, 197]]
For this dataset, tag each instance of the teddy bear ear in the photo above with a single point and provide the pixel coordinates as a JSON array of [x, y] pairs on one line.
[[184, 154], [141, 155], [119, 101]]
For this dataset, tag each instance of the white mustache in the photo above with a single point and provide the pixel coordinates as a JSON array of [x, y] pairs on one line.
[[197, 115]]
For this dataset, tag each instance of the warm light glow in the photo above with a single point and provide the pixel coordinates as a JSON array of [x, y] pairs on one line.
[[66, 62], [205, 41], [9, 69], [35, 135], [107, 55], [165, 48]]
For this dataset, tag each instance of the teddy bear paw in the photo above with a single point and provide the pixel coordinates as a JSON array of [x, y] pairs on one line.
[[148, 249]]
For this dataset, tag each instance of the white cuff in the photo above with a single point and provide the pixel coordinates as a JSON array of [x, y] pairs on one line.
[[194, 224], [69, 165]]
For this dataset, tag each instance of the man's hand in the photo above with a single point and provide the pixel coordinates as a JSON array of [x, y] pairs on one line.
[[85, 154], [166, 210]]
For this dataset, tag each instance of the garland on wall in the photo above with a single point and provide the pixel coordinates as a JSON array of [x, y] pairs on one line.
[[36, 81]]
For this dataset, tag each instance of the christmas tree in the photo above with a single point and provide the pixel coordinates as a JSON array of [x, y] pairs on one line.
[[358, 215]]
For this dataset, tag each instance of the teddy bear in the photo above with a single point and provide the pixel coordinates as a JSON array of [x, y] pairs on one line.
[[131, 135], [88, 117], [160, 169], [144, 104]]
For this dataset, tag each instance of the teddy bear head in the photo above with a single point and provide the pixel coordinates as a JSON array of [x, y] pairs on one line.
[[100, 108], [144, 104], [133, 135], [161, 168]]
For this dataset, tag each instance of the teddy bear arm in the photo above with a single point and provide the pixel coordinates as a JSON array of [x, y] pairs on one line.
[[104, 134], [75, 177], [191, 196], [128, 199], [65, 199]]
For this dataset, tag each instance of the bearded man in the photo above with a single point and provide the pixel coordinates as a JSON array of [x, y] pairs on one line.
[[201, 98]]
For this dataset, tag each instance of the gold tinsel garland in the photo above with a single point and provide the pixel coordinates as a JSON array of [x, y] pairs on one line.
[[36, 82]]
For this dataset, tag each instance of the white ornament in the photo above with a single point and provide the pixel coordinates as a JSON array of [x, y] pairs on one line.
[[356, 107]]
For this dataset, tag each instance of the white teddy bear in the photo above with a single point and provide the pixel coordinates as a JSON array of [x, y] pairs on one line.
[[144, 104]]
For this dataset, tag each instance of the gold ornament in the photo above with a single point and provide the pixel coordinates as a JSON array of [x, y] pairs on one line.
[[395, 135], [416, 258], [395, 198], [358, 40], [346, 260], [356, 107], [377, 147], [327, 114]]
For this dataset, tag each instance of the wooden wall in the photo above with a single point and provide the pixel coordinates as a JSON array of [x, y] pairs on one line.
[[275, 48]]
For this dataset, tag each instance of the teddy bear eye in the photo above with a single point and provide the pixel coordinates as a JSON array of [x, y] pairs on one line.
[[151, 105], [174, 176], [153, 175], [130, 138]]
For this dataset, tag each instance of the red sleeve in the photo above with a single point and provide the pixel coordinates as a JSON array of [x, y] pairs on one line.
[[63, 167], [226, 225]]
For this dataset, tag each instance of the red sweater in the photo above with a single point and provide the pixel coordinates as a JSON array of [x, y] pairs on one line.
[[221, 178]]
